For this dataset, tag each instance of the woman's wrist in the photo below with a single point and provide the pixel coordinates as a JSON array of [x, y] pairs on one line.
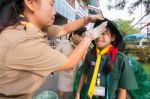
[[86, 19], [91, 18], [88, 38]]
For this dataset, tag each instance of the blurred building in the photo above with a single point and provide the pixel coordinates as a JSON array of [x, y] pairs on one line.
[[94, 7], [65, 11], [69, 10], [72, 9]]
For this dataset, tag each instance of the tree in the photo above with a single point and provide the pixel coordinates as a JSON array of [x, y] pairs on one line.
[[125, 27], [120, 4]]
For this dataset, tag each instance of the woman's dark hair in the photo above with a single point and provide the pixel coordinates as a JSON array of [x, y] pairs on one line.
[[108, 66], [9, 12], [114, 30]]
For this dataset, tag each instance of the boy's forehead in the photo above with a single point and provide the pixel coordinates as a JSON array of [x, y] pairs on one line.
[[52, 1], [107, 30]]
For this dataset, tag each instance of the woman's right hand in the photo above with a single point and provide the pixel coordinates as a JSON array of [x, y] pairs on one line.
[[77, 96], [94, 33]]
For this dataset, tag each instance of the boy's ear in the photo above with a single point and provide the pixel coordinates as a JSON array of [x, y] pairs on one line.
[[113, 38]]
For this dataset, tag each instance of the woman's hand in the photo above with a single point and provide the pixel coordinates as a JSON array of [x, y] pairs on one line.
[[94, 33], [92, 18]]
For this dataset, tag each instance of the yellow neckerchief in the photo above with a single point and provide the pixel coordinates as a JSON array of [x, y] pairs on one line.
[[25, 22], [98, 62]]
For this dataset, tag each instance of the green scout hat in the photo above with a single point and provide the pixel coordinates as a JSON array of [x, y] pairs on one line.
[[113, 28]]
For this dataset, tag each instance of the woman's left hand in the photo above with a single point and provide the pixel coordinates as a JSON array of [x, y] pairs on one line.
[[95, 32], [92, 18]]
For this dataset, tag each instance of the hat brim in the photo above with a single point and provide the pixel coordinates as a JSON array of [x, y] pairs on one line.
[[113, 28]]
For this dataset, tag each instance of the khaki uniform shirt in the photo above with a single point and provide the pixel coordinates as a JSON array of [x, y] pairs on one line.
[[26, 59]]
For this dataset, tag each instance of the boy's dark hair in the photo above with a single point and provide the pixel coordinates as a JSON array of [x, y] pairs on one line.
[[80, 31]]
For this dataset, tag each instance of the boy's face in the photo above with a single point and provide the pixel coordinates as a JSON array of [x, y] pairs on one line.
[[104, 39], [77, 38]]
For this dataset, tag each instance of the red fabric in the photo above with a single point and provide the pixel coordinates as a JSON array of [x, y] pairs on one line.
[[114, 52]]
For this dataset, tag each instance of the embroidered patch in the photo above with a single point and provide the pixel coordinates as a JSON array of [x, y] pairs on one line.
[[99, 91], [93, 63], [130, 63]]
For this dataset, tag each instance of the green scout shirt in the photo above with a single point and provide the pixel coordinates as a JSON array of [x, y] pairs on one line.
[[121, 76]]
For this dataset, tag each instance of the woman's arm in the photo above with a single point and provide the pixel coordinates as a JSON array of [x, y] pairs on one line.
[[121, 93], [77, 54], [56, 31]]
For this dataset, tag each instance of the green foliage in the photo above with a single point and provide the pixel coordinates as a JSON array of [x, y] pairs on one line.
[[125, 27], [120, 4], [147, 67], [141, 54]]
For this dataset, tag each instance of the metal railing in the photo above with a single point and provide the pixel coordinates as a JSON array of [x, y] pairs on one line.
[[65, 9]]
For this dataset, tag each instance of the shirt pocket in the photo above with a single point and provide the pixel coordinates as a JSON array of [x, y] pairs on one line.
[[114, 81]]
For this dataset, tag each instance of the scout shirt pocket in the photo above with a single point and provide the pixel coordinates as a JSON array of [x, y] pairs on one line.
[[114, 80], [114, 83]]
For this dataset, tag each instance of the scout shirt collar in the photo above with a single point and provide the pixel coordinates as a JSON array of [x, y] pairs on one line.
[[30, 27], [113, 51]]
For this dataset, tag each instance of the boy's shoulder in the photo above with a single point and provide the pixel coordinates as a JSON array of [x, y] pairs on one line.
[[121, 54], [122, 58]]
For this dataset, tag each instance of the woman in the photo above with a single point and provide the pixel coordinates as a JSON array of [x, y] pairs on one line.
[[108, 74], [26, 59]]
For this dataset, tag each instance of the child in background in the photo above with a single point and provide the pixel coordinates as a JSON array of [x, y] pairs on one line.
[[66, 46], [107, 73]]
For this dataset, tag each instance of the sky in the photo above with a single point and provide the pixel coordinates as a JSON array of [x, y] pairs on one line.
[[122, 14]]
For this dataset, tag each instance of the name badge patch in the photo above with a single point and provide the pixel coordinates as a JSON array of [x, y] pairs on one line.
[[99, 91], [93, 63]]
